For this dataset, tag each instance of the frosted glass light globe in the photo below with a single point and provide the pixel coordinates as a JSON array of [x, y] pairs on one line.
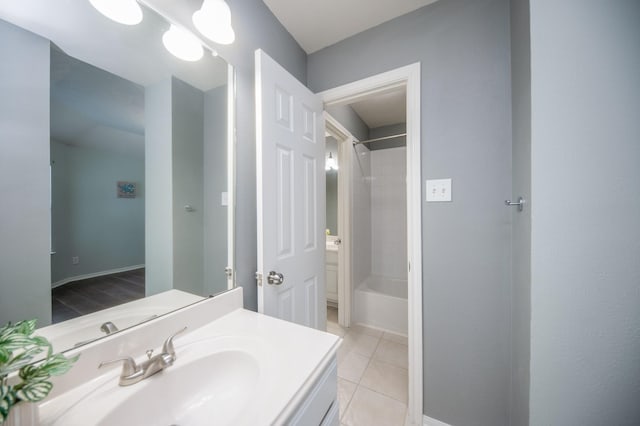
[[182, 44], [127, 12], [213, 20]]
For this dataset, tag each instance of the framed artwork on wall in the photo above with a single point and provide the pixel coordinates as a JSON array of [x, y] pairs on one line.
[[126, 189]]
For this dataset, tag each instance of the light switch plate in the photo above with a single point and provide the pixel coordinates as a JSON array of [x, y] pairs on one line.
[[224, 198], [438, 190]]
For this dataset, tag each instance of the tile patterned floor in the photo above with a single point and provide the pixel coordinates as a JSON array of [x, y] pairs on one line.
[[372, 375]]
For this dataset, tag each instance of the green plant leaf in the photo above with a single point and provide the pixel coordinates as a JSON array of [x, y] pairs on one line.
[[5, 355], [33, 373], [7, 400], [17, 349], [19, 360], [35, 391], [58, 364], [11, 342], [26, 327]]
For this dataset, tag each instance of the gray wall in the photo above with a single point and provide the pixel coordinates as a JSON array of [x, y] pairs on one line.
[[25, 228], [88, 219], [331, 177], [390, 130], [585, 254], [521, 225], [60, 212], [350, 120], [215, 182], [255, 27], [187, 131], [159, 186], [185, 165], [463, 47]]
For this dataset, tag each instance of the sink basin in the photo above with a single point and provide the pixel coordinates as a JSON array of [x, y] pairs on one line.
[[198, 389], [233, 367]]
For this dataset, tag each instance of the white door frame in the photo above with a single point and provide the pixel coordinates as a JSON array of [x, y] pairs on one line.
[[345, 256], [349, 93]]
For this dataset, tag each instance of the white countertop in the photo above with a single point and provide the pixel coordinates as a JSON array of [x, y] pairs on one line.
[[291, 358]]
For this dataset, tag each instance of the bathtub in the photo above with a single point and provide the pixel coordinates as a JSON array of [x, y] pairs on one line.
[[381, 303]]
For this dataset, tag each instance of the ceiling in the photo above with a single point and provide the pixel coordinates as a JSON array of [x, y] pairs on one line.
[[318, 24], [93, 108], [132, 52], [99, 69], [383, 108]]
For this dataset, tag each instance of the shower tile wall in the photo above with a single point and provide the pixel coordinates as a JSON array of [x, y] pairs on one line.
[[389, 213], [361, 185]]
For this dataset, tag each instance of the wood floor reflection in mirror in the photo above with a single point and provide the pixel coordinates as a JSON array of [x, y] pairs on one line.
[[94, 294]]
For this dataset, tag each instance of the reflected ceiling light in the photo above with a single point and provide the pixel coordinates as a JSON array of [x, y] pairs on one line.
[[331, 163], [213, 20], [182, 44], [126, 12]]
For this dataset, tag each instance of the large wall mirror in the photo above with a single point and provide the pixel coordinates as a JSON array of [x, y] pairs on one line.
[[116, 170]]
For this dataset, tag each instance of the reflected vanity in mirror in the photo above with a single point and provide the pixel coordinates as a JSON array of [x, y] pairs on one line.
[[117, 162]]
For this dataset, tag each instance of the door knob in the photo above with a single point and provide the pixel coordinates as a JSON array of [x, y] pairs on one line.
[[275, 278]]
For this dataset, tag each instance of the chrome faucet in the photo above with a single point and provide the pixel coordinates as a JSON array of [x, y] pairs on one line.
[[108, 327], [133, 373]]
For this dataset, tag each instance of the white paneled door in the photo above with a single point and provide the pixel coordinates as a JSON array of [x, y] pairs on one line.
[[291, 197]]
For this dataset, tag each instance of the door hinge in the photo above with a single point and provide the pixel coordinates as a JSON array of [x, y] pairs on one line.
[[259, 279]]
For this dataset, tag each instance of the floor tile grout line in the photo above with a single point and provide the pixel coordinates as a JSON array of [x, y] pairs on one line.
[[370, 358], [380, 393]]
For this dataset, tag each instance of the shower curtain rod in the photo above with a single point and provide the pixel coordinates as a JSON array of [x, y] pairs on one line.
[[381, 139]]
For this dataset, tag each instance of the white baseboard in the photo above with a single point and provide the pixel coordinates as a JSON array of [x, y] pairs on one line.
[[95, 274], [428, 421]]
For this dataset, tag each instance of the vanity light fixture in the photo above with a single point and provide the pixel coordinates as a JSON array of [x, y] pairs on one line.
[[213, 20], [331, 163], [182, 44], [127, 12]]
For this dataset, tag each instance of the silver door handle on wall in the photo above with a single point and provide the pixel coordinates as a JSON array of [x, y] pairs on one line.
[[275, 278], [520, 203]]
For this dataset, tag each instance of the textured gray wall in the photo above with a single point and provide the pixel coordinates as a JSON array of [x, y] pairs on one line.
[[521, 228], [585, 150], [25, 229], [463, 47], [88, 219], [255, 27]]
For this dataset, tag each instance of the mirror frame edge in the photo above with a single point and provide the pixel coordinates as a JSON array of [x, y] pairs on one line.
[[231, 175]]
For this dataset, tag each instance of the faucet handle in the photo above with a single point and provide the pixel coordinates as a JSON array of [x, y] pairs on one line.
[[168, 348], [129, 366]]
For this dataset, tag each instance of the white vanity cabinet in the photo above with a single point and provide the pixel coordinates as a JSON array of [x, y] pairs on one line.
[[331, 273], [233, 367], [320, 407]]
